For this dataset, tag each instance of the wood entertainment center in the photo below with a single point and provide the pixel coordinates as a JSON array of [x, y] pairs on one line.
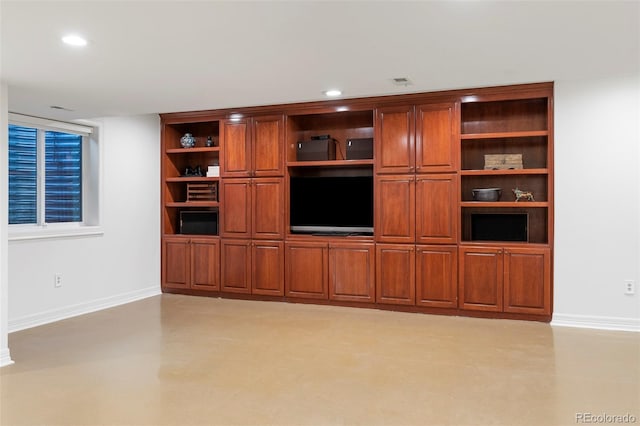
[[433, 248]]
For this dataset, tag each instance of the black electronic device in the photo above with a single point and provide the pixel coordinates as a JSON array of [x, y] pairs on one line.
[[360, 149], [331, 204], [316, 150], [199, 222], [500, 227]]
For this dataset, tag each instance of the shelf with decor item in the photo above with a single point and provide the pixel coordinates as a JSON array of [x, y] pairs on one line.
[[506, 146], [323, 138], [190, 147], [192, 150]]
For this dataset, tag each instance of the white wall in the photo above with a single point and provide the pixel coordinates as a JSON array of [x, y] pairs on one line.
[[100, 271], [597, 202]]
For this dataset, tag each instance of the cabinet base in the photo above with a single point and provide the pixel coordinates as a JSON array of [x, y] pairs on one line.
[[380, 306]]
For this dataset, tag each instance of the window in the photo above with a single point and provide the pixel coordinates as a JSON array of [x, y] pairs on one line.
[[51, 173]]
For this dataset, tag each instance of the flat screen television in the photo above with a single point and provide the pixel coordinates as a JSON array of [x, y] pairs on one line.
[[331, 204]]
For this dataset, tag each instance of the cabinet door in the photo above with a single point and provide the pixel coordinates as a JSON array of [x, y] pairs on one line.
[[395, 274], [481, 278], [437, 276], [236, 149], [177, 264], [267, 269], [307, 269], [436, 134], [235, 208], [236, 266], [205, 264], [268, 146], [395, 209], [527, 281], [268, 208], [394, 141], [437, 208], [351, 272]]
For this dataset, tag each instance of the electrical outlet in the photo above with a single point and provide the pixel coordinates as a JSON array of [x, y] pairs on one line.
[[57, 280], [629, 287]]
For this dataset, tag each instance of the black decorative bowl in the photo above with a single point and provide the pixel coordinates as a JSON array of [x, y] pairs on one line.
[[486, 194]]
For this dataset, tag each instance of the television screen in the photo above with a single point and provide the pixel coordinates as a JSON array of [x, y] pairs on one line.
[[331, 204]]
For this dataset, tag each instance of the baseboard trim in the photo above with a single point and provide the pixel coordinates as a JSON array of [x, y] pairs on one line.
[[54, 315], [599, 323], [5, 358]]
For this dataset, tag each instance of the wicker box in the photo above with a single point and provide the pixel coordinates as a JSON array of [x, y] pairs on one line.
[[202, 191], [502, 161]]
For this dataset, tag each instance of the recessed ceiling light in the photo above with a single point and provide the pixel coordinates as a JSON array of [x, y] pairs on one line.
[[74, 40], [333, 93]]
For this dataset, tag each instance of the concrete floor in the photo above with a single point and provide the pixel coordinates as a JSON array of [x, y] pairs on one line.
[[181, 360]]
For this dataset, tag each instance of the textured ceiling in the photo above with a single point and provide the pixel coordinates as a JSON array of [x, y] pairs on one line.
[[162, 56]]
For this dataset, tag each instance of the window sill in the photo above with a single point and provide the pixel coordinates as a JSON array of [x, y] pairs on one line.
[[60, 233]]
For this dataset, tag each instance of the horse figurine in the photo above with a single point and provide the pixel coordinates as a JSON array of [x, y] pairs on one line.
[[523, 195]]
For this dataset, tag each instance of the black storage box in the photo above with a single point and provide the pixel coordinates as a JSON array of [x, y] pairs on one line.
[[199, 222], [360, 149], [316, 150]]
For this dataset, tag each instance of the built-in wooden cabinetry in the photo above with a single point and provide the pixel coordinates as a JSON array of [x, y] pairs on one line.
[[434, 248], [253, 146], [505, 279], [252, 204], [191, 263], [417, 138]]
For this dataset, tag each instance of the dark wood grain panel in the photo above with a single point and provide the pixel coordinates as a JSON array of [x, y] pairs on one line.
[[267, 268], [395, 274], [481, 278], [395, 204], [436, 138], [235, 266], [352, 272], [437, 276], [307, 270], [436, 208]]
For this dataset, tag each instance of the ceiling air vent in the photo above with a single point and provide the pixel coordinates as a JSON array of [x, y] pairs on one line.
[[401, 81]]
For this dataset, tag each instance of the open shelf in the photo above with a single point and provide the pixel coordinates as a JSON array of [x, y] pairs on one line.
[[192, 179], [511, 128], [192, 150], [500, 135], [532, 148], [505, 116], [193, 204], [330, 163], [536, 219], [522, 204], [504, 172], [341, 126]]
